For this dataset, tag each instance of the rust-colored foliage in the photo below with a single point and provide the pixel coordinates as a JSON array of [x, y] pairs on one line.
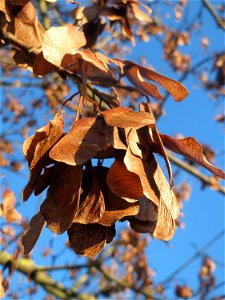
[[7, 210], [134, 188], [83, 199]]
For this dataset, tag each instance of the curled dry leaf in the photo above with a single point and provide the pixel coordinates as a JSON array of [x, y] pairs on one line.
[[157, 189], [41, 66], [63, 196], [175, 88], [184, 292], [138, 141], [141, 226], [145, 170], [44, 180], [191, 149], [7, 210], [62, 40], [115, 207], [81, 143], [89, 239], [113, 135], [36, 149], [30, 238], [18, 2], [145, 88], [125, 117], [148, 210], [95, 69], [93, 206], [139, 14], [25, 20], [154, 137], [124, 183]]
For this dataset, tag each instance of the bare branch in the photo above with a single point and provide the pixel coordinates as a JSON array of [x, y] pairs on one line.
[[28, 268], [220, 22], [196, 255], [207, 180]]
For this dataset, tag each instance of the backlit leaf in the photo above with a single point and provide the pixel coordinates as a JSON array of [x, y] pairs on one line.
[[30, 238], [123, 183], [93, 206], [63, 196], [36, 150], [136, 79], [89, 240], [81, 143], [192, 150], [115, 207], [7, 210], [62, 40], [126, 117], [175, 88], [156, 189]]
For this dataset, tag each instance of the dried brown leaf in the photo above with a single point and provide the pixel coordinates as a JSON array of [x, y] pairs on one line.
[[89, 240], [36, 150], [62, 40], [44, 180], [146, 170], [93, 206], [24, 59], [154, 138], [138, 82], [95, 69], [123, 183], [138, 141], [81, 143], [36, 146], [157, 189], [191, 149], [30, 238], [141, 226], [7, 210], [63, 196], [148, 210], [114, 137], [125, 117], [41, 66], [115, 207], [24, 20], [184, 292], [175, 88], [139, 14]]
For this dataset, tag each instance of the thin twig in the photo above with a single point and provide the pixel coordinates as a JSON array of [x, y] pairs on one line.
[[28, 268], [196, 255], [124, 284], [207, 180], [220, 22]]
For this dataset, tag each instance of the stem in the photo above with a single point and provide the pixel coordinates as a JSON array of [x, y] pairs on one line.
[[196, 255], [220, 22], [192, 170]]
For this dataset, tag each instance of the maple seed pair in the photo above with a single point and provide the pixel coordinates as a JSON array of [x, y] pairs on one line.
[[87, 201]]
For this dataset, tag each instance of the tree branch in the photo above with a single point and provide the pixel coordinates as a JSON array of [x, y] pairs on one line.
[[191, 259], [207, 180], [28, 268], [124, 284], [220, 22]]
